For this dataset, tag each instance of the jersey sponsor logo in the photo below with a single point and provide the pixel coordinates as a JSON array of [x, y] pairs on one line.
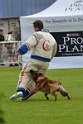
[[46, 45]]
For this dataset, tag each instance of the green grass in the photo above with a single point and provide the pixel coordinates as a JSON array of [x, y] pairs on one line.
[[37, 110]]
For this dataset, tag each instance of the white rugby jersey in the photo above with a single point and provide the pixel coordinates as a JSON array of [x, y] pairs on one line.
[[43, 45]]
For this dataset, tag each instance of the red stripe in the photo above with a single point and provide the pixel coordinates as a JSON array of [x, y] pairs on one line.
[[22, 74], [35, 38], [27, 46], [29, 90]]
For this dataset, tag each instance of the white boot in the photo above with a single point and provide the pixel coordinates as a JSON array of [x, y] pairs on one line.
[[16, 95]]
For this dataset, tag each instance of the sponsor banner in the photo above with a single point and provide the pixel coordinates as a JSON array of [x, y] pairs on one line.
[[75, 5], [69, 43]]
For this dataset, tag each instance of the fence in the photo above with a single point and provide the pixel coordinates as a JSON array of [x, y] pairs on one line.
[[8, 51]]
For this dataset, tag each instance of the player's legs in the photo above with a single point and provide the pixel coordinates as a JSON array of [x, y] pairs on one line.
[[26, 83]]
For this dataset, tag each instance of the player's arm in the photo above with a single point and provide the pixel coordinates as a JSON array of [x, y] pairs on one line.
[[29, 44]]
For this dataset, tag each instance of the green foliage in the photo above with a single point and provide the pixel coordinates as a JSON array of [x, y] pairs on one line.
[[1, 116], [37, 110]]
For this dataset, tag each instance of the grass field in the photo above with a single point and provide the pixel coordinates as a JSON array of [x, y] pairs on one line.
[[37, 110]]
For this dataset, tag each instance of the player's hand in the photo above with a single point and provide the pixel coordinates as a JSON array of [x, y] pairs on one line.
[[18, 53]]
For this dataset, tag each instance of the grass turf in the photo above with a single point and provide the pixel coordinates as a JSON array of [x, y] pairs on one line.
[[37, 110]]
